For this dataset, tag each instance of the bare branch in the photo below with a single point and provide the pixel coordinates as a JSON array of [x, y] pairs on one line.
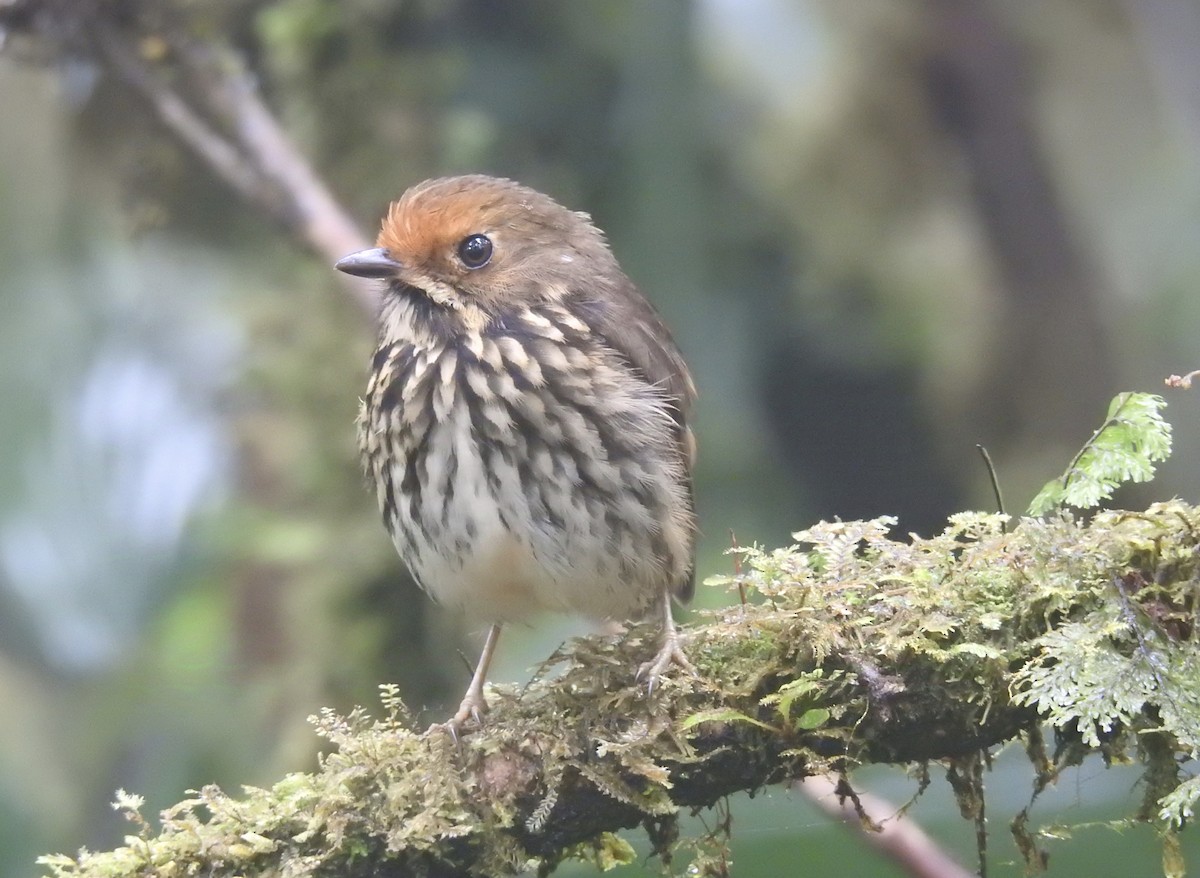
[[233, 132], [178, 116], [232, 93], [895, 836]]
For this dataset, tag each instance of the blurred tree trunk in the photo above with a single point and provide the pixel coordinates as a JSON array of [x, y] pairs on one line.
[[1170, 32], [1054, 369]]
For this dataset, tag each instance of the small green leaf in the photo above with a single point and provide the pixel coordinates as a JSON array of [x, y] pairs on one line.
[[721, 715], [1131, 440], [977, 649], [787, 695], [813, 718]]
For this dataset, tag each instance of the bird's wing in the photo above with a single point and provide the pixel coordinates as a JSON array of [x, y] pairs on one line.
[[635, 330]]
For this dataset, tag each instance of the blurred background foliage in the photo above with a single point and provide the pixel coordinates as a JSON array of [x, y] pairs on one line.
[[882, 232]]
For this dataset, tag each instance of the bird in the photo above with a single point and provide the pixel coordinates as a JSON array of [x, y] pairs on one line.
[[527, 418]]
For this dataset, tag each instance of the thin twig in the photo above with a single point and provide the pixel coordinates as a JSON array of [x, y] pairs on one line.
[[737, 568], [900, 839], [261, 163], [991, 468], [231, 92], [1182, 382], [209, 146]]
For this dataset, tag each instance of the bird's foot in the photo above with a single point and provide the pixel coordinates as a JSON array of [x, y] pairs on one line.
[[670, 653], [473, 708], [474, 705]]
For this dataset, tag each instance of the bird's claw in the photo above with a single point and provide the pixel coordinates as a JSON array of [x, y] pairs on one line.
[[473, 707], [670, 653]]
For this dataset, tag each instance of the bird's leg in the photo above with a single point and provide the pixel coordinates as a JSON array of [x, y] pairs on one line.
[[474, 705], [670, 653]]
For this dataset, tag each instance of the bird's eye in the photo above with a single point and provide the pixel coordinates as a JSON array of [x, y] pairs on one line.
[[475, 251]]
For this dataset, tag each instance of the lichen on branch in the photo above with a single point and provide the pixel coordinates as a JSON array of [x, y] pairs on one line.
[[853, 647]]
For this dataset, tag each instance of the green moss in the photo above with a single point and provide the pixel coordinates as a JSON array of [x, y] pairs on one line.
[[851, 648]]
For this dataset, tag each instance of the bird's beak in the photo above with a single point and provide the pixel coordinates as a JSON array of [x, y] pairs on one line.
[[376, 262]]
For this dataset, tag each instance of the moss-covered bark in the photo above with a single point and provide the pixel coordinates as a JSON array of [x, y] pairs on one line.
[[853, 648]]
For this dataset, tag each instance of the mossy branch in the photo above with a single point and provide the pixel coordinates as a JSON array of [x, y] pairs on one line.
[[855, 649]]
